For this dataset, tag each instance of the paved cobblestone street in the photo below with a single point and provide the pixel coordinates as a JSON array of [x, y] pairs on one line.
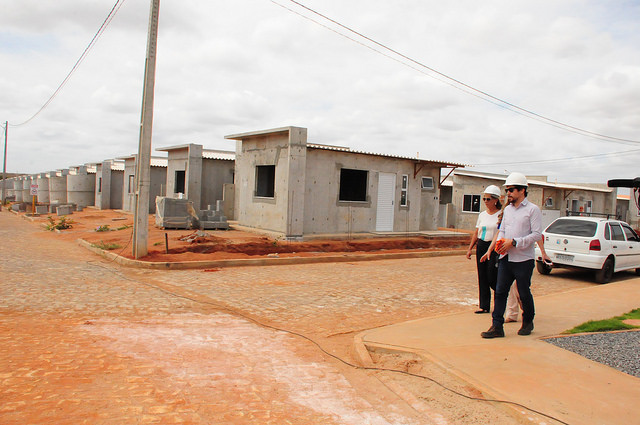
[[84, 341]]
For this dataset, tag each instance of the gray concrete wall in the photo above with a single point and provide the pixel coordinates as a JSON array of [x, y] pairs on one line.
[[285, 210], [26, 189], [43, 187], [228, 197], [189, 160], [117, 183], [158, 184], [17, 189], [103, 186], [58, 186], [215, 174], [325, 213], [81, 188], [128, 187]]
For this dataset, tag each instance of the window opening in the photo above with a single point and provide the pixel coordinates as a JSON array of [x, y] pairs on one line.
[[99, 184], [353, 185], [471, 203], [265, 181], [427, 183], [178, 187], [403, 190]]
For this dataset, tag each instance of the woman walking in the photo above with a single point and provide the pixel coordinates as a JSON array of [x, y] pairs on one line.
[[486, 227]]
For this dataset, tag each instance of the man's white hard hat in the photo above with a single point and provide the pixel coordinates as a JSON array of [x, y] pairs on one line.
[[516, 179], [492, 190]]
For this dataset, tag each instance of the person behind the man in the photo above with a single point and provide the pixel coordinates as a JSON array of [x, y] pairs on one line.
[[521, 228]]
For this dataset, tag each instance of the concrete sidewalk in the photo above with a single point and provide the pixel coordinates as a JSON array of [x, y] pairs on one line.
[[525, 369]]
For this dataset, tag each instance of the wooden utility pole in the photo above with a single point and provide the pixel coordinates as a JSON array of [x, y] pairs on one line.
[[4, 164], [143, 160]]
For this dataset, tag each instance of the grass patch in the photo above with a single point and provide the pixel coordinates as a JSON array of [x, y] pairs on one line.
[[606, 325], [106, 246], [126, 226]]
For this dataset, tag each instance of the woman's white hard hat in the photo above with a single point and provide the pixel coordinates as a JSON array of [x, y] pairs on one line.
[[516, 179], [492, 190]]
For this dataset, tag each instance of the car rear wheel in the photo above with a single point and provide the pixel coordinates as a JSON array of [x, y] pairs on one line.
[[605, 274], [542, 267]]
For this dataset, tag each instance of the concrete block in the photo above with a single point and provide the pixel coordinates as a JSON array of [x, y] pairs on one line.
[[42, 209], [64, 210]]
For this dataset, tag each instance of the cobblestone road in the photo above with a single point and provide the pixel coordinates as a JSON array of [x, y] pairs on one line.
[[83, 341]]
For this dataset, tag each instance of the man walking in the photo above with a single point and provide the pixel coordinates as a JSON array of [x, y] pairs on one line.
[[521, 228]]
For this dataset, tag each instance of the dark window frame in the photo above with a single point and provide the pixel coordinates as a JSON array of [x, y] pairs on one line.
[[353, 185], [471, 203], [180, 181], [265, 181]]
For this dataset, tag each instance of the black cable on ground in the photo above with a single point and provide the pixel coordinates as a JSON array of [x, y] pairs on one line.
[[322, 349]]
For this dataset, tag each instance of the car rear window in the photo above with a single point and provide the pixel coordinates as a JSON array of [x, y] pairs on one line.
[[573, 228]]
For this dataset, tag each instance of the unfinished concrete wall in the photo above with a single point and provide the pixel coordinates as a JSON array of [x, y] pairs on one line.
[[103, 186], [43, 187], [129, 184], [81, 187], [184, 172], [17, 189], [26, 189], [117, 183], [429, 198], [326, 213], [58, 186], [228, 198], [158, 185], [215, 174], [283, 149]]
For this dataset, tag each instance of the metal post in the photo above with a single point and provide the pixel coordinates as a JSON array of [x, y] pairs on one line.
[[143, 160]]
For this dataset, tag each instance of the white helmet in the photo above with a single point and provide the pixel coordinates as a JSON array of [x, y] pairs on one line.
[[516, 179], [492, 190]]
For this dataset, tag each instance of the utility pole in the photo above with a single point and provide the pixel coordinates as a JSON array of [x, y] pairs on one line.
[[4, 164], [143, 160]]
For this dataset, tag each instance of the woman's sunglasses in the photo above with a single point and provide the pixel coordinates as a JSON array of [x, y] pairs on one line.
[[487, 199]]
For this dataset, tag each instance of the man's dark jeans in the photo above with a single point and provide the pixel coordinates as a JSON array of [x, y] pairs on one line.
[[508, 272]]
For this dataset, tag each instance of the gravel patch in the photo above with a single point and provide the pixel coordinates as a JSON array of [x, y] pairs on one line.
[[620, 350]]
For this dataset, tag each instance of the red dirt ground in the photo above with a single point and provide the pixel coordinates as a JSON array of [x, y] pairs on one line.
[[224, 244]]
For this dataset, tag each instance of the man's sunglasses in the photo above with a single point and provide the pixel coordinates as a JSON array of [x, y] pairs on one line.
[[511, 189]]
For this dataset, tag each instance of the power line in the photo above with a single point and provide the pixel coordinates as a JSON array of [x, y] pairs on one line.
[[454, 82], [116, 7], [572, 158]]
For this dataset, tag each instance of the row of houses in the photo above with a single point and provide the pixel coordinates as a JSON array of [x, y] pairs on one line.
[[277, 181]]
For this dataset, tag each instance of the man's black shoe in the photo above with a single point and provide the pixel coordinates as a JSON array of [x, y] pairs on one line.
[[526, 328], [493, 332]]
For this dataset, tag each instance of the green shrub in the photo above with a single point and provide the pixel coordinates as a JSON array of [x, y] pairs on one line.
[[63, 223], [103, 228]]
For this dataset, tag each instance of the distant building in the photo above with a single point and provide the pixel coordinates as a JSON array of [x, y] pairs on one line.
[[461, 198]]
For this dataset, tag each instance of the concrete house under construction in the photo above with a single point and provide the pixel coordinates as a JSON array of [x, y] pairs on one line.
[[286, 185]]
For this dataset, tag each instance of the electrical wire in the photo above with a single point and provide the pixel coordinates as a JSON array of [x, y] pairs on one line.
[[572, 158], [455, 82], [320, 347], [116, 7]]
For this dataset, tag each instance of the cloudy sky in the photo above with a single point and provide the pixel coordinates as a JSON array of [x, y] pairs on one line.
[[227, 67]]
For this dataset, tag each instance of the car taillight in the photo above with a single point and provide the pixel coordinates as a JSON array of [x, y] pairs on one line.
[[594, 245]]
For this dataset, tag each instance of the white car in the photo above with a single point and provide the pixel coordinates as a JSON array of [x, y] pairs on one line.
[[603, 245]]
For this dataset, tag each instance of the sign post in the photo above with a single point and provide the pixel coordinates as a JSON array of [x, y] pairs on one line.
[[34, 193]]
